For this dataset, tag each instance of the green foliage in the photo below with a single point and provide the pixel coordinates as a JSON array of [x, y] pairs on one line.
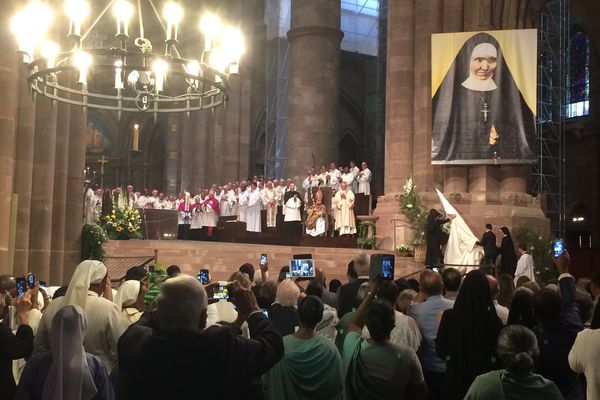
[[94, 237], [405, 250], [540, 249], [364, 240], [413, 209], [123, 224]]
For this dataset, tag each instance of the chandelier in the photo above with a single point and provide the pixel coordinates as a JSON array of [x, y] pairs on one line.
[[130, 75]]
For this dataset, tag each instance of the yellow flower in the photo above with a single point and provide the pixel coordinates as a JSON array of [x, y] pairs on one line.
[[119, 229], [130, 229]]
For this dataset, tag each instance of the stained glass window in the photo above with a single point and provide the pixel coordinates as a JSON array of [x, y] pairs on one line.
[[578, 79]]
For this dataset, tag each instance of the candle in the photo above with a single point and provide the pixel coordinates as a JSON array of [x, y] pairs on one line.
[[187, 202], [136, 134]]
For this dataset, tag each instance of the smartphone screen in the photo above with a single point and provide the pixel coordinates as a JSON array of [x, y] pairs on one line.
[[387, 267], [558, 247], [265, 312], [31, 280], [203, 276], [302, 268], [263, 260], [221, 293], [21, 286]]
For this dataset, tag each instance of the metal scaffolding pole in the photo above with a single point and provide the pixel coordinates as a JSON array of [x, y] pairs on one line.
[[549, 173]]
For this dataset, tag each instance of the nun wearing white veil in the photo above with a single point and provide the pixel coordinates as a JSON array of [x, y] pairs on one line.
[[105, 322], [67, 372], [130, 298], [461, 248]]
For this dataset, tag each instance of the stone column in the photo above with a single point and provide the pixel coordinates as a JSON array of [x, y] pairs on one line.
[[315, 38], [398, 120], [245, 127], [229, 152], [61, 163], [187, 151], [42, 190], [172, 153], [23, 171], [74, 197], [204, 118], [8, 109]]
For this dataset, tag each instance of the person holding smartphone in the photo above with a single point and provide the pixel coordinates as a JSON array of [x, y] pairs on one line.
[[13, 346]]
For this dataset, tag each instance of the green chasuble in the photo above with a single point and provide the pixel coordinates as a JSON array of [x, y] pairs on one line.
[[310, 369]]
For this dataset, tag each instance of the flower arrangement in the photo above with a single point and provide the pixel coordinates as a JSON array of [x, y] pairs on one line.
[[405, 250], [122, 224], [93, 239], [411, 206]]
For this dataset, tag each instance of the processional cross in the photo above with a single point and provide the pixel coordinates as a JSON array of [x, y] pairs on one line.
[[102, 160]]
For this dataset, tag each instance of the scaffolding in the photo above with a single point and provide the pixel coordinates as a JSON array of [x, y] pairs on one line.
[[549, 173], [278, 64]]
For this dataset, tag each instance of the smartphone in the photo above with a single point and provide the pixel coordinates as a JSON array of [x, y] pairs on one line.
[[263, 260], [203, 276], [265, 312], [558, 247], [387, 267], [21, 286], [435, 269], [31, 280], [221, 292], [304, 268]]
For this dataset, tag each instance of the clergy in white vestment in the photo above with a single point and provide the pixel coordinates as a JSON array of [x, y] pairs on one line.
[[184, 219], [316, 223], [348, 178], [131, 197], [242, 201], [89, 283], [253, 209], [226, 201], [196, 219], [462, 248], [354, 170], [309, 182], [269, 199], [293, 204], [344, 204], [333, 177], [162, 203], [142, 199], [364, 180], [89, 211]]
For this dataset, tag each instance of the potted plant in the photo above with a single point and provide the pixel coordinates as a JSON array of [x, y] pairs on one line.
[[411, 207], [404, 250], [122, 224]]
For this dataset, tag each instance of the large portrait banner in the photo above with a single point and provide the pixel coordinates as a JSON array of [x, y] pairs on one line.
[[483, 88]]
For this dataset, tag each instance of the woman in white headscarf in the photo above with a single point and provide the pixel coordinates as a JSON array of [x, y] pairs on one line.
[[67, 372], [105, 322], [130, 298]]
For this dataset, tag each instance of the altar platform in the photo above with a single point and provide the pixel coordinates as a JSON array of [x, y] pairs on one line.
[[223, 258]]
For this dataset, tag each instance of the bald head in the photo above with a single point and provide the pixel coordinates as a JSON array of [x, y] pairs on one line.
[[431, 283], [181, 304], [494, 288], [362, 264]]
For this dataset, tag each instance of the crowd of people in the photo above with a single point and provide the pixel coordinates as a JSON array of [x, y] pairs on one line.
[[246, 199], [165, 335]]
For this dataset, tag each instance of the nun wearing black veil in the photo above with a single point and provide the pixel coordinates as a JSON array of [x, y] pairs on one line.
[[479, 113]]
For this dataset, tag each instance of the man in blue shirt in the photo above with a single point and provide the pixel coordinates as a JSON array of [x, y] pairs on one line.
[[427, 314]]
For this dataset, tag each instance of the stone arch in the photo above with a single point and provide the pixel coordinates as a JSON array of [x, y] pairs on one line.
[[349, 148]]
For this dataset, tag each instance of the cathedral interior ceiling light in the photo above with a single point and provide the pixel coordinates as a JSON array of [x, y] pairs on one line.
[[125, 74]]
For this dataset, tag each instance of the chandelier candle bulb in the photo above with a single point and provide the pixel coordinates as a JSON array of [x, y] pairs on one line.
[[123, 12], [77, 10], [82, 61], [118, 74], [136, 137], [210, 25], [173, 13]]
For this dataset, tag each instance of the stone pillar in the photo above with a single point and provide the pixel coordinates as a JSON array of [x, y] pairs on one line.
[[513, 178], [398, 121], [23, 171], [315, 38], [201, 150], [428, 17], [172, 153], [42, 190], [245, 127], [8, 109], [75, 193], [187, 151], [229, 150], [219, 145], [61, 163]]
